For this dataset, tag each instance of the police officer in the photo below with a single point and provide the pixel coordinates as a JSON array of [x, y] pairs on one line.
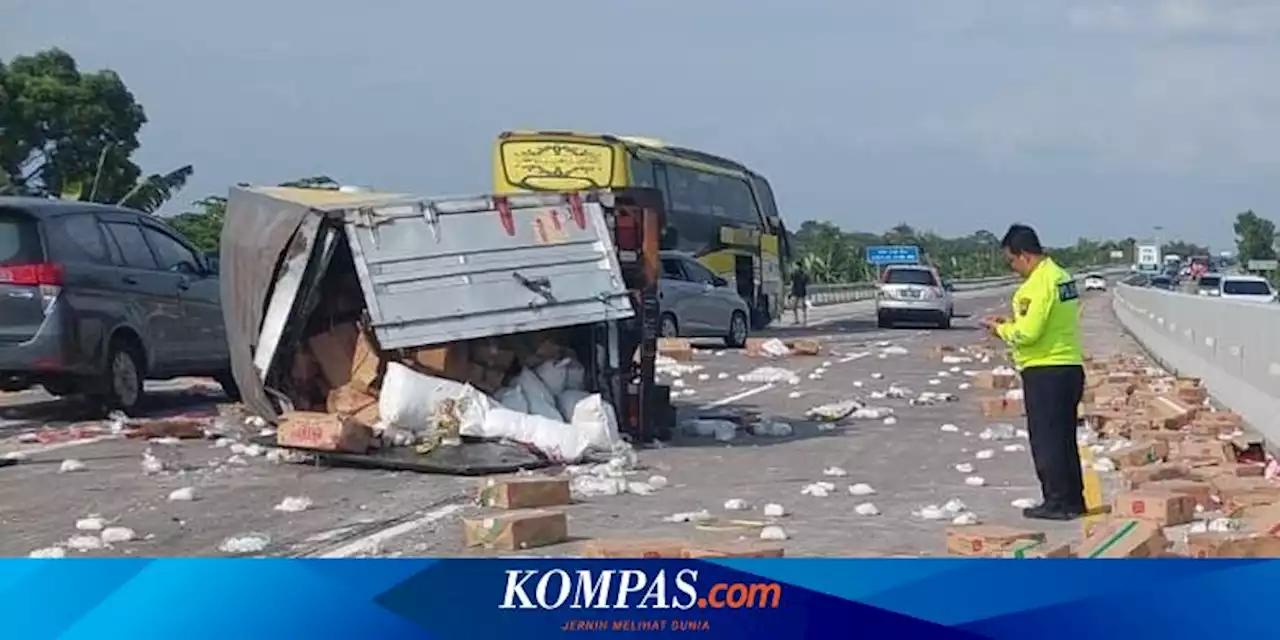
[[1044, 338]]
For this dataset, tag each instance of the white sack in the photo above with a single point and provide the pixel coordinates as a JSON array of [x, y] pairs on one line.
[[554, 374], [567, 401], [541, 401], [575, 376], [594, 429], [512, 398], [421, 404]]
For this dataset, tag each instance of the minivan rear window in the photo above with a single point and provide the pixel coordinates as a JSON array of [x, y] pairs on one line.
[[910, 276], [19, 239], [1209, 282]]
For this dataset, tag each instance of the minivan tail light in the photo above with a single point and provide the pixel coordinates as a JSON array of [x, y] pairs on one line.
[[47, 276], [32, 275]]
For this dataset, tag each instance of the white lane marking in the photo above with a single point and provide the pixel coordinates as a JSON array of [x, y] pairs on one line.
[[372, 542], [54, 446], [738, 396]]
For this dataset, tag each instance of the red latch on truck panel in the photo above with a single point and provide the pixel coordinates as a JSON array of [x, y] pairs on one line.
[[575, 208], [504, 215]]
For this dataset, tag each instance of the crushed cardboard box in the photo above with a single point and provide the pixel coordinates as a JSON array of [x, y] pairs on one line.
[[677, 349], [993, 381], [634, 548], [1166, 508], [988, 540], [1131, 538], [323, 432], [524, 492], [1002, 407], [742, 549], [1140, 454], [1233, 545], [516, 530]]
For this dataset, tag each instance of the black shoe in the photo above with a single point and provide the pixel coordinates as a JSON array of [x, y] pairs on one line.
[[1047, 512]]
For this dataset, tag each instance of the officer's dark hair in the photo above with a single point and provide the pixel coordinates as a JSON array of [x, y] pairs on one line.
[[1021, 239]]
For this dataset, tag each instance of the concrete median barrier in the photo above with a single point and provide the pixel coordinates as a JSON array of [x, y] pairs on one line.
[[1233, 346]]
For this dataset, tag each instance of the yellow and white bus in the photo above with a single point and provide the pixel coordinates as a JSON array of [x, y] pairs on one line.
[[716, 209]]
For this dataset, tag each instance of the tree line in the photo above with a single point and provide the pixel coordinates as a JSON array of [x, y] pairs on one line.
[[67, 133]]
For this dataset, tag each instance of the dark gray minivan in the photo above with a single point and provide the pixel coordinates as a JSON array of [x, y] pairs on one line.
[[94, 299]]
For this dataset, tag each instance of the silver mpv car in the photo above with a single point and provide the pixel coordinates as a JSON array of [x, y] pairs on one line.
[[696, 303], [913, 293]]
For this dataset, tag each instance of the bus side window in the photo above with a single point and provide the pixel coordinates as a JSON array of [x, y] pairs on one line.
[[737, 200], [642, 172], [663, 184]]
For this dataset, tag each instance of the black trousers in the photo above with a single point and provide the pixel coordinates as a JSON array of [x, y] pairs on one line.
[[1052, 398]]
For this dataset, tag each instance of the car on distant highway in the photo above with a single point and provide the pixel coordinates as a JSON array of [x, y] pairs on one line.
[[913, 293], [1095, 282], [1162, 282], [1209, 284], [1247, 288], [95, 299], [695, 303]]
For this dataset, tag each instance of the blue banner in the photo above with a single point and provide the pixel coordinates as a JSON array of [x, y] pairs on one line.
[[741, 599], [893, 254]]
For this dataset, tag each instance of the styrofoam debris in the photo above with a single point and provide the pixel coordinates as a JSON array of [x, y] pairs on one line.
[[1024, 503], [817, 490], [658, 482], [677, 384], [243, 544], [956, 359], [1014, 448], [1104, 465], [722, 376], [185, 494], [834, 410], [1004, 371], [71, 465], [704, 376], [964, 467], [949, 428], [857, 384], [91, 523], [237, 461], [117, 535], [931, 512], [765, 375], [1022, 433], [223, 442], [166, 441], [775, 348], [934, 382], [891, 420], [151, 465], [294, 504], [985, 454], [877, 395], [736, 504], [943, 374], [690, 516], [975, 481], [866, 509], [1013, 394], [48, 553], [964, 386], [1118, 444], [999, 432], [591, 486], [641, 488], [954, 370], [861, 489], [895, 391], [834, 472], [772, 429], [954, 507], [971, 373], [795, 394], [668, 366], [774, 510], [895, 351], [965, 519], [117, 422], [84, 543], [827, 364], [16, 455], [877, 376], [773, 533], [257, 422], [289, 456]]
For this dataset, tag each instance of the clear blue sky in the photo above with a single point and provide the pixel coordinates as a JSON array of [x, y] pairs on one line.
[[1082, 118]]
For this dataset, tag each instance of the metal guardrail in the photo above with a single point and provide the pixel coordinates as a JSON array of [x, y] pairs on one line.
[[827, 294], [1233, 346]]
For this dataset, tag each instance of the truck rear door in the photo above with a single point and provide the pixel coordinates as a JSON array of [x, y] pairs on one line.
[[24, 274], [436, 271]]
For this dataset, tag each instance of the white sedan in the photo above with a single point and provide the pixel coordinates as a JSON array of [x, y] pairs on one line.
[[1095, 282]]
